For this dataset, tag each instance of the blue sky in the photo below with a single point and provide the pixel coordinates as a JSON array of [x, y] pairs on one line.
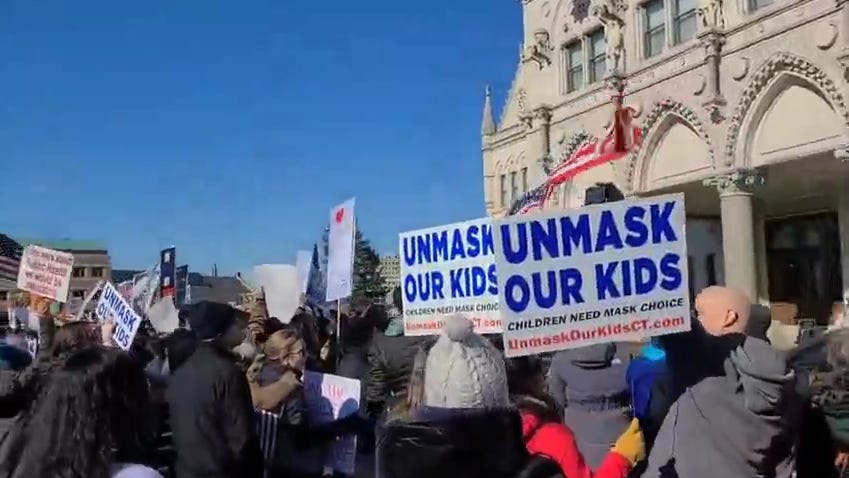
[[231, 128]]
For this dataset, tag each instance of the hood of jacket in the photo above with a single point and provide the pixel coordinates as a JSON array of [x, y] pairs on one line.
[[448, 443], [760, 373], [593, 356]]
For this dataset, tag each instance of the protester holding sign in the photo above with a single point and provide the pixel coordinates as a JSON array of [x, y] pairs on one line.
[[282, 369]]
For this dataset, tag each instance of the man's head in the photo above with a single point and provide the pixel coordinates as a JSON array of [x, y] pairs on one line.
[[211, 320], [723, 310]]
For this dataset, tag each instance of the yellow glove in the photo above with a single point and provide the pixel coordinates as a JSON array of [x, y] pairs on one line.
[[630, 444]]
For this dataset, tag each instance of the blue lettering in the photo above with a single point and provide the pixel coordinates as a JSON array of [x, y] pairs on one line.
[[544, 237], [486, 239], [510, 285], [670, 269], [576, 234], [571, 282], [473, 281], [422, 249], [661, 222], [639, 276], [542, 300], [608, 233], [439, 242], [408, 246], [448, 245], [457, 290], [424, 286], [638, 233], [473, 241], [564, 286], [645, 275], [493, 282], [518, 255], [457, 250], [604, 281]]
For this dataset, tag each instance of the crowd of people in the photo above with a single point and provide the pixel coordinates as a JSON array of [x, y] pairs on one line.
[[718, 400]]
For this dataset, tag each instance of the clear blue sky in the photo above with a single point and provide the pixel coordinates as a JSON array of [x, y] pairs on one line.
[[231, 128]]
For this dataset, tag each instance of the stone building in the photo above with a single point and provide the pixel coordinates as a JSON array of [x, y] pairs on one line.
[[743, 109], [91, 265], [390, 270]]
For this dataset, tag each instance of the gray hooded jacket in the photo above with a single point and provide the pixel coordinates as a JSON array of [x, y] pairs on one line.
[[741, 425]]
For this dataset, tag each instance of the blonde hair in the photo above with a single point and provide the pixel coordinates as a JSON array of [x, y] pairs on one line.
[[282, 343]]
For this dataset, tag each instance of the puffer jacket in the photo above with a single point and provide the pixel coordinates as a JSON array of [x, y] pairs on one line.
[[390, 361]]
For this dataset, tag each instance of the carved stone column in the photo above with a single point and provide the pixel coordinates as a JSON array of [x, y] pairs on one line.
[[738, 227], [713, 40], [540, 144], [842, 154]]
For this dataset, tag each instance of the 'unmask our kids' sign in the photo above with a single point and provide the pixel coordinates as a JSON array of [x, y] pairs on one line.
[[602, 273], [449, 270]]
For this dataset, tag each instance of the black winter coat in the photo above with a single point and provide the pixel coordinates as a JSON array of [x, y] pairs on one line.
[[212, 418], [390, 361], [456, 443]]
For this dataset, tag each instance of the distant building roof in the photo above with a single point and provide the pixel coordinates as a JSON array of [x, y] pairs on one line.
[[70, 245], [215, 288], [121, 275]]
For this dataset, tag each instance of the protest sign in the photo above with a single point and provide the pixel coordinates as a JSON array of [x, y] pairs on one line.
[[602, 273], [449, 270], [328, 398], [340, 256], [280, 284], [127, 321], [303, 263], [46, 272]]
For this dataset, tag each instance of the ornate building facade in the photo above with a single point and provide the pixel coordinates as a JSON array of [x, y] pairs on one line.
[[743, 109]]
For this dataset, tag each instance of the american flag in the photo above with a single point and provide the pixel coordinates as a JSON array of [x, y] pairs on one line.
[[530, 201], [10, 258]]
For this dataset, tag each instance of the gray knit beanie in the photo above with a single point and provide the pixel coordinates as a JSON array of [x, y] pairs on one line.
[[464, 370]]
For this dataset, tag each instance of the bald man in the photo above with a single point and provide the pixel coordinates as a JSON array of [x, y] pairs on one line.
[[722, 314], [723, 310]]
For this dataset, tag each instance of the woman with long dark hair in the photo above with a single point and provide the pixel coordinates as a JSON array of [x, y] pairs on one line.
[[92, 419]]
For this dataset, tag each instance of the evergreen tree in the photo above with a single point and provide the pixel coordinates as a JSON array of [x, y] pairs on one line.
[[324, 254], [369, 284]]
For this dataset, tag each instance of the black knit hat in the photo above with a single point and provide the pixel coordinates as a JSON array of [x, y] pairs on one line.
[[208, 320]]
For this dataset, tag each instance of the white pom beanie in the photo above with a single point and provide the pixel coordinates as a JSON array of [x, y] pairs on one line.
[[464, 370]]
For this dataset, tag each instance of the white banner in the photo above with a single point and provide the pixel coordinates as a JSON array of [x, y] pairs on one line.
[[280, 284], [340, 260], [602, 273], [449, 270], [303, 263], [127, 321], [46, 272]]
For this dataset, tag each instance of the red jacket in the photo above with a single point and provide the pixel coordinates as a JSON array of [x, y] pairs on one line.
[[556, 441]]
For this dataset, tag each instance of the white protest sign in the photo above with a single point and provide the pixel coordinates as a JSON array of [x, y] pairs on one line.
[[127, 321], [449, 270], [340, 255], [303, 263], [280, 284], [78, 314], [328, 398], [602, 273], [163, 316], [46, 272]]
